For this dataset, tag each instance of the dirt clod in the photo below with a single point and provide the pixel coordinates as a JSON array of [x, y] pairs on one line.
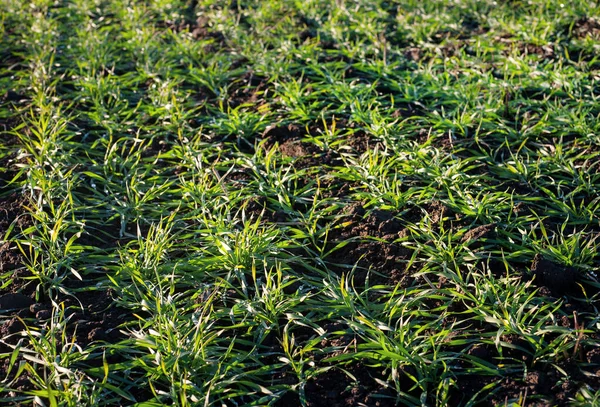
[[559, 279], [373, 247], [288, 139], [474, 236], [336, 388], [587, 26]]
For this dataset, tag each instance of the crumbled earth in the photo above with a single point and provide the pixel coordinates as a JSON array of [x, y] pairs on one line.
[[373, 246], [558, 279], [375, 242], [337, 388], [355, 385], [16, 297], [11, 210], [288, 140], [91, 317], [587, 26]]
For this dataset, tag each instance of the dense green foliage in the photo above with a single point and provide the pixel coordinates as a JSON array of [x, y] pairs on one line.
[[234, 174]]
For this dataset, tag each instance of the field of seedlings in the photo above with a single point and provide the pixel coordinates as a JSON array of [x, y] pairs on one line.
[[315, 203]]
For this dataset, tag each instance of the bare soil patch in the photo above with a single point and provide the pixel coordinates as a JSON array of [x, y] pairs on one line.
[[248, 89], [587, 26], [289, 141], [557, 278], [372, 246], [356, 386]]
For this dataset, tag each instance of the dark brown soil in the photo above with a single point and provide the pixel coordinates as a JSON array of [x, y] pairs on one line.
[[360, 142], [248, 89], [542, 51], [11, 211], [288, 140], [16, 297], [476, 236], [375, 242], [557, 278], [542, 385], [91, 315], [587, 26], [356, 386], [199, 29], [373, 246], [12, 208], [10, 96], [336, 388], [104, 234], [258, 208]]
